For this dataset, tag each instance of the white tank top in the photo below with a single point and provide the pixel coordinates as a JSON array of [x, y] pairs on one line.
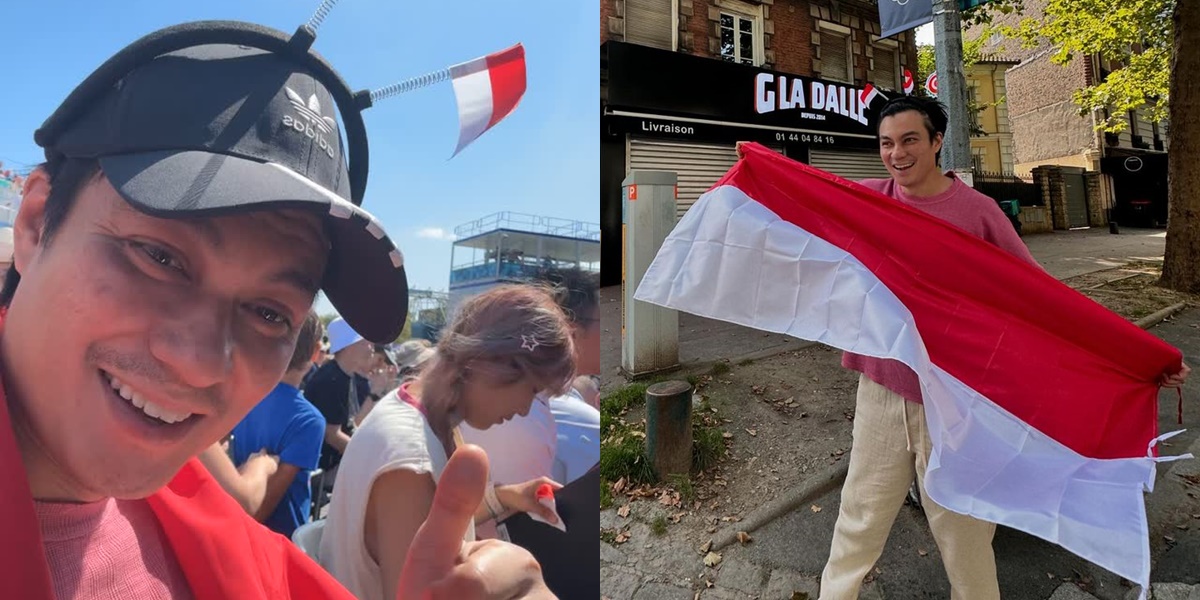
[[394, 436]]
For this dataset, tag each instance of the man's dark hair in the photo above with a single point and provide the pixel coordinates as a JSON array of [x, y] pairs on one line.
[[306, 343], [933, 111], [576, 291], [67, 177]]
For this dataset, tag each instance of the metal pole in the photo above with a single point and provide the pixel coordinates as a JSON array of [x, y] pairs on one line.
[[952, 87], [669, 427]]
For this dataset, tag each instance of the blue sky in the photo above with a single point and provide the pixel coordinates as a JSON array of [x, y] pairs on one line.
[[542, 159]]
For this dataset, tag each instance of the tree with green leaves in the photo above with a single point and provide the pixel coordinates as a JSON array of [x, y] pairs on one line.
[[1156, 46]]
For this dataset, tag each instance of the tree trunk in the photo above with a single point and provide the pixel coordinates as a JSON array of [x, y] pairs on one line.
[[1181, 266]]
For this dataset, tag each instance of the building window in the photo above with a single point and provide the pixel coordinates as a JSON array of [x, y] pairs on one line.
[[739, 38], [885, 67], [977, 159], [650, 23], [973, 108], [1133, 123], [835, 55]]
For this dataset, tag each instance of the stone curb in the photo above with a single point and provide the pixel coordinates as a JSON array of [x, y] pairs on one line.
[[705, 365], [1155, 318], [812, 488]]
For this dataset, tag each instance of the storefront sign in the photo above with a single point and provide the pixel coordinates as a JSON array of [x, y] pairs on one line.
[[731, 132], [689, 94], [772, 92]]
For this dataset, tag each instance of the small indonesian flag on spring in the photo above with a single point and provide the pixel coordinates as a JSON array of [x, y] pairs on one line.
[[1042, 420], [909, 84], [868, 95], [487, 89]]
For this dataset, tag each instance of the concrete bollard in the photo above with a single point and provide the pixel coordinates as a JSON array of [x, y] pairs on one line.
[[669, 427]]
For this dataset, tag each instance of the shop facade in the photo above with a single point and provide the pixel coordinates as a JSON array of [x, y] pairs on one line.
[[671, 111]]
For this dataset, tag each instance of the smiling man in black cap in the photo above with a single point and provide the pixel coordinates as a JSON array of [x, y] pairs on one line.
[[165, 257]]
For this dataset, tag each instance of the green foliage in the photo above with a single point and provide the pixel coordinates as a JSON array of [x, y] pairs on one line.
[[720, 369], [606, 499], [983, 13], [608, 536], [1137, 34], [926, 64], [683, 484], [708, 447], [616, 403], [659, 526], [625, 456]]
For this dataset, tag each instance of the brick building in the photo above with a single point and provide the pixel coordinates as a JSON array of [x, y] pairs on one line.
[[1048, 130], [681, 81]]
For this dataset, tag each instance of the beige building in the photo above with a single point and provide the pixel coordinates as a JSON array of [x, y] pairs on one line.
[[991, 133]]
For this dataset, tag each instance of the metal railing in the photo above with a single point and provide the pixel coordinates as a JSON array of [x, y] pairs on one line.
[[531, 224]]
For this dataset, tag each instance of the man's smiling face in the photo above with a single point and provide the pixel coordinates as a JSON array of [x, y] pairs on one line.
[[133, 342]]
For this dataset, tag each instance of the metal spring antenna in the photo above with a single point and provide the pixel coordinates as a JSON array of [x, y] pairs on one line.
[[409, 85], [319, 16]]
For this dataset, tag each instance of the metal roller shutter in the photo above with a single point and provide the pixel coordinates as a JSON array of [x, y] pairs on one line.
[[648, 22], [835, 57], [884, 75], [698, 166], [850, 164]]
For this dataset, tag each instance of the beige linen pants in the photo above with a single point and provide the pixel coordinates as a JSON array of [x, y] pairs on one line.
[[891, 444]]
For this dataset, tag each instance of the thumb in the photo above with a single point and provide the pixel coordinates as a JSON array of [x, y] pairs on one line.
[[459, 493]]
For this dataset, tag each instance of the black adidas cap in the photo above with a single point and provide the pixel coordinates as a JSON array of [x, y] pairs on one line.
[[219, 129]]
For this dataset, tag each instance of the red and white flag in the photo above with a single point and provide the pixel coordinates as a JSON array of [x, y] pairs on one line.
[[909, 84], [1043, 419], [869, 93], [487, 90]]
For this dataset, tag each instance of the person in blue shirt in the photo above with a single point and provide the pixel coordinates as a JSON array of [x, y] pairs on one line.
[[276, 446]]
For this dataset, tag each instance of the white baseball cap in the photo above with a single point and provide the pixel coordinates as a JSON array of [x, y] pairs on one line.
[[341, 335]]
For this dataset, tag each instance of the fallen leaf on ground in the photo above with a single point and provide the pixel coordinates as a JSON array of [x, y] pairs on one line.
[[619, 486], [727, 435], [706, 547], [708, 583], [815, 508], [923, 552], [743, 538], [621, 538], [712, 559], [752, 432], [623, 511], [1181, 527]]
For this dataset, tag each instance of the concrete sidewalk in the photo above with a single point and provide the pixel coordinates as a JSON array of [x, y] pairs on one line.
[[1063, 254]]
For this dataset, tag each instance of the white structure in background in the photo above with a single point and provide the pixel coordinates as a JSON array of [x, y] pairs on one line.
[[10, 201], [510, 247]]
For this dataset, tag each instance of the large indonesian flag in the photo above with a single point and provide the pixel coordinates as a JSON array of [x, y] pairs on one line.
[[1041, 404]]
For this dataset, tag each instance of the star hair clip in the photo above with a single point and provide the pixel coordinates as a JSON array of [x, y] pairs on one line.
[[529, 342]]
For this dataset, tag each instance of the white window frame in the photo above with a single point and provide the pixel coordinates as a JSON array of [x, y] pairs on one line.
[[675, 25], [894, 47], [749, 12], [827, 27]]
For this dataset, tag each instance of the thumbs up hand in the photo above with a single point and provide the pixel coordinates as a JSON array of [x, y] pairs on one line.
[[440, 566]]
